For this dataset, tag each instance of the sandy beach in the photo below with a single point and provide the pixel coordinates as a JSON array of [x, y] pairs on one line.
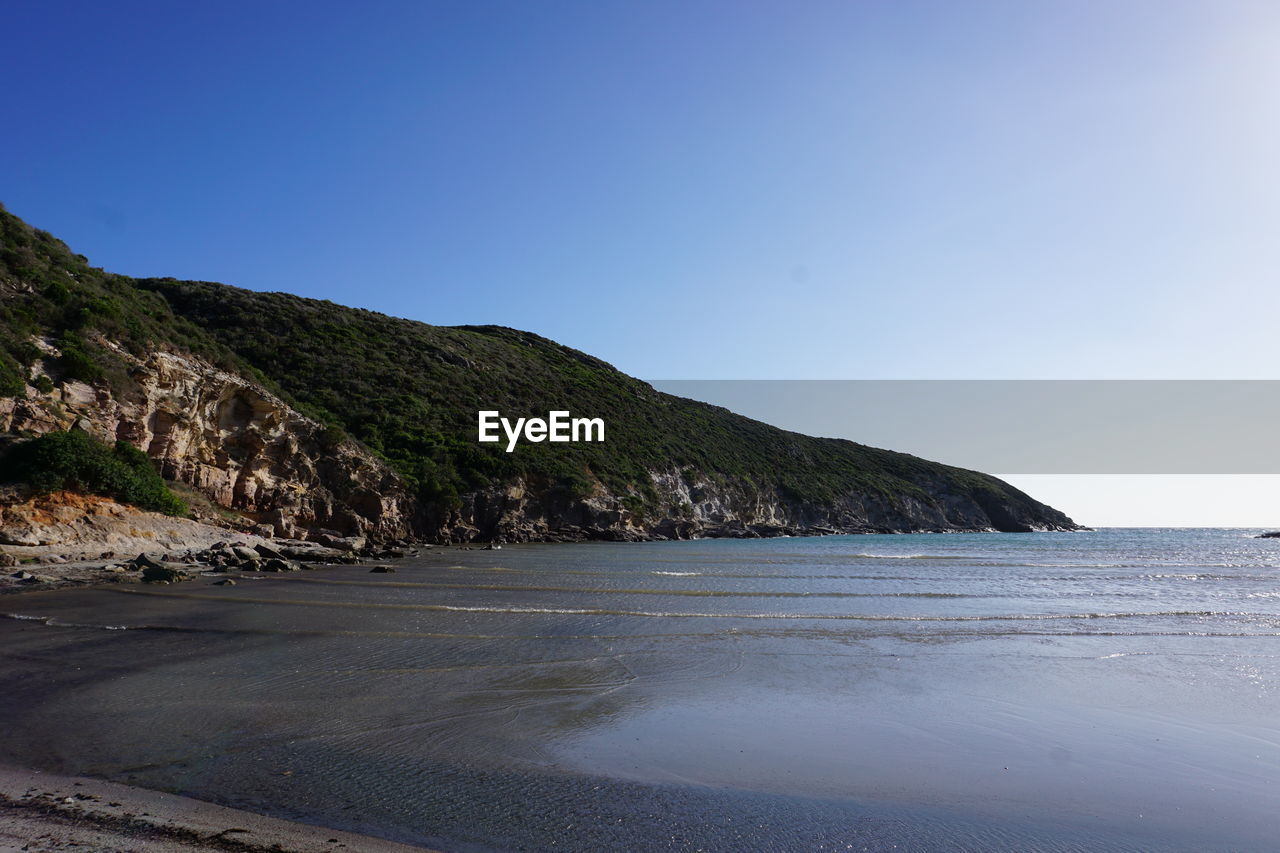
[[930, 693], [44, 811]]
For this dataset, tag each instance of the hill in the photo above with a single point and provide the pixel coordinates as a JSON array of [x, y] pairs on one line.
[[356, 408]]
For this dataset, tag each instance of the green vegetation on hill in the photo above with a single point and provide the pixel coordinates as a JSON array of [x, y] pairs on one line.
[[48, 291], [410, 391], [77, 461]]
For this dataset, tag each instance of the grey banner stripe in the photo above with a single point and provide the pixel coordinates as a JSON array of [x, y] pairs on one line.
[[1027, 426]]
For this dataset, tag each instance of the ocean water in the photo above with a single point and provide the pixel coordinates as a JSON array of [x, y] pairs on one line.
[[1107, 690]]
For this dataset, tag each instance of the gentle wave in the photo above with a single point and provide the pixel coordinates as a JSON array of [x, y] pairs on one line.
[[789, 633], [665, 614], [864, 556], [729, 593], [55, 622], [890, 576], [1015, 617], [693, 593]]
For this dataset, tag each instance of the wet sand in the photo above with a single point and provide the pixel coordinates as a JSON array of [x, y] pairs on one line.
[[1080, 692], [47, 812]]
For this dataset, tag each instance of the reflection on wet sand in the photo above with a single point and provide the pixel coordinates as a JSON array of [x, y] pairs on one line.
[[817, 695]]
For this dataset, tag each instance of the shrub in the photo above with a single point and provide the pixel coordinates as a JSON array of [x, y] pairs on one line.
[[79, 462], [331, 436], [57, 293], [11, 382], [75, 362], [25, 352]]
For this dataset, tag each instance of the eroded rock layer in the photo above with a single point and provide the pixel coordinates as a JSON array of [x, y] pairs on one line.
[[233, 441]]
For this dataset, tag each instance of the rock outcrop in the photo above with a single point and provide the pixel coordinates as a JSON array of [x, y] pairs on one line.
[[521, 512], [133, 360], [79, 527], [248, 451], [233, 441]]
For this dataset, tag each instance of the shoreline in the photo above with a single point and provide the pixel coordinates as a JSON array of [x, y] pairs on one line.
[[42, 811], [46, 575], [49, 567], [403, 724], [45, 811]]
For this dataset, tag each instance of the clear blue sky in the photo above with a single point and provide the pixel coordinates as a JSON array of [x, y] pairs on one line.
[[689, 189]]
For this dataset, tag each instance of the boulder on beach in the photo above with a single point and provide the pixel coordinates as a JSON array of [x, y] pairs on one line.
[[268, 552], [162, 574], [142, 561], [349, 544]]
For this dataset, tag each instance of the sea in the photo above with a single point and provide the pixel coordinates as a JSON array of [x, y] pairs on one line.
[[1107, 690]]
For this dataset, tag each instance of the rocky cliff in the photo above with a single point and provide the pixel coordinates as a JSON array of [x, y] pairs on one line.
[[307, 418], [248, 451], [228, 438], [521, 512]]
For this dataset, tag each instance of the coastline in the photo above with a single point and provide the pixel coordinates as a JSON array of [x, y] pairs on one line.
[[44, 574], [45, 811], [586, 733], [70, 540]]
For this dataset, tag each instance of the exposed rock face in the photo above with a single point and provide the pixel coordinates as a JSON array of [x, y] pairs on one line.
[[284, 474], [519, 513], [247, 450], [235, 442], [84, 526]]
